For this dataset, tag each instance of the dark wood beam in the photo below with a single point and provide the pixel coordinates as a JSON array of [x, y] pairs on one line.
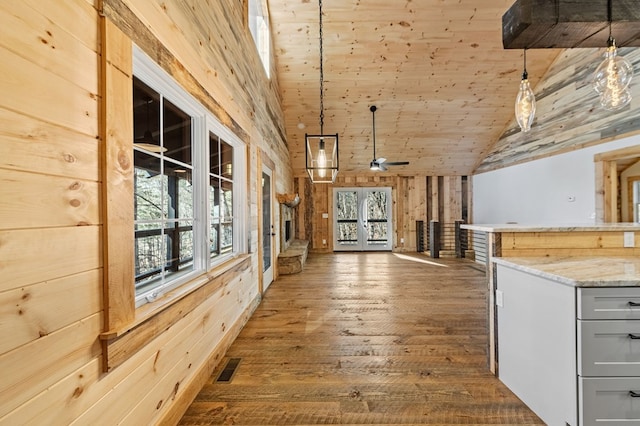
[[544, 24]]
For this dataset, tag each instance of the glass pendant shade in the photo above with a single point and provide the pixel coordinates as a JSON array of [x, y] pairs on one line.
[[612, 78], [525, 105]]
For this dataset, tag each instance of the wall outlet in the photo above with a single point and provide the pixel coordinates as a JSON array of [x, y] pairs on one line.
[[499, 298], [629, 239], [324, 242], [325, 215], [401, 240]]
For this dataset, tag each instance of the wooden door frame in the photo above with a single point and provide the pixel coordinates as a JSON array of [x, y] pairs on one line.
[[607, 182], [630, 204]]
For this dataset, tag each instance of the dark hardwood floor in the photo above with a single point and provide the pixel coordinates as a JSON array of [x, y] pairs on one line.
[[365, 338]]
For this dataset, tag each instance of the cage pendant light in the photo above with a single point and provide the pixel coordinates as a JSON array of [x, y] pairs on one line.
[[612, 77], [525, 101], [321, 151]]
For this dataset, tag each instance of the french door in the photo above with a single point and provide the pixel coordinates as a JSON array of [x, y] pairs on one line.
[[362, 219], [267, 227]]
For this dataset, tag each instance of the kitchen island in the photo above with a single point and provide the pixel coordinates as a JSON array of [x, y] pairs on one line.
[[547, 240], [568, 332]]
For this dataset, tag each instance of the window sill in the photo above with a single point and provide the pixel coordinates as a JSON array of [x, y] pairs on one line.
[[153, 318]]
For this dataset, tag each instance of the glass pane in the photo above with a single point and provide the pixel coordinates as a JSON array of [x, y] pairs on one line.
[[147, 187], [348, 233], [214, 232], [376, 205], [177, 133], [227, 200], [183, 193], [146, 117], [266, 221], [214, 197], [214, 154], [377, 233], [226, 160], [226, 241], [179, 241], [149, 254], [347, 205], [186, 242]]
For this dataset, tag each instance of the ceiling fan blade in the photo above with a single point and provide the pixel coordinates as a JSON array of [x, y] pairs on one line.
[[382, 167], [397, 163], [380, 160]]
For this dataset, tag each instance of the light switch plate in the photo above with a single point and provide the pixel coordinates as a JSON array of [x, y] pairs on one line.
[[629, 239], [499, 298]]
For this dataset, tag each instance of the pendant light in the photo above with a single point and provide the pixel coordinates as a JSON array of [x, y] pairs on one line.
[[321, 153], [612, 77], [525, 101]]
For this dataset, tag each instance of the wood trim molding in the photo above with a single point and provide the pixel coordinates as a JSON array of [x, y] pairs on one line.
[[116, 122], [119, 345], [606, 170]]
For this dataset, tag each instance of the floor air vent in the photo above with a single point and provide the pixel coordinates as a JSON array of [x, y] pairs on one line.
[[229, 370]]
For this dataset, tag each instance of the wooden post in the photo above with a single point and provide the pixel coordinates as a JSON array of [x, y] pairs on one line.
[[434, 239], [460, 234]]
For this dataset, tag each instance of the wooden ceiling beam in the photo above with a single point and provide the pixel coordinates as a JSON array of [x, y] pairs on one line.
[[544, 24]]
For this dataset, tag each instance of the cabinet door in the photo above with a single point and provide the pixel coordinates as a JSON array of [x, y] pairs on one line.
[[609, 401], [609, 348]]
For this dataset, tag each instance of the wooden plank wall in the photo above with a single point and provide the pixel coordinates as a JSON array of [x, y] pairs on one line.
[[51, 226], [415, 198], [568, 115]]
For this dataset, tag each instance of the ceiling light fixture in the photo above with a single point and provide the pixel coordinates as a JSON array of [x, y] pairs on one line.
[[321, 153], [612, 77], [525, 101]]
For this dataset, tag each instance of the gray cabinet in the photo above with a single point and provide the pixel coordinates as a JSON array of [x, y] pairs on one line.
[[608, 324], [572, 354]]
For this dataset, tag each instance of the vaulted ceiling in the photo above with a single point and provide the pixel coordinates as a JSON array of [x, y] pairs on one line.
[[436, 69]]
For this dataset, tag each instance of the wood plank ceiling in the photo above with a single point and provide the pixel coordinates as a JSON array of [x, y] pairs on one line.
[[436, 69]]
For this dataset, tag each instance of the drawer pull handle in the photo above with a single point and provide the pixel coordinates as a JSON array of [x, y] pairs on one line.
[[634, 336], [633, 303], [633, 394]]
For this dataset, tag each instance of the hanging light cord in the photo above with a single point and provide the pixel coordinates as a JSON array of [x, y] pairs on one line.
[[321, 77], [610, 40]]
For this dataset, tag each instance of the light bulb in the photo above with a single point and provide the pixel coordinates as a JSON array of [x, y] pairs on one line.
[[613, 100], [322, 160], [525, 105], [612, 78], [613, 72]]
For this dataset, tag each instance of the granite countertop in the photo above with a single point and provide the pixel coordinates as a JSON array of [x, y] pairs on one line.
[[568, 227], [599, 271]]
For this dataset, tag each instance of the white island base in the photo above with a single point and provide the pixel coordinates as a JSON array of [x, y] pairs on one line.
[[569, 347]]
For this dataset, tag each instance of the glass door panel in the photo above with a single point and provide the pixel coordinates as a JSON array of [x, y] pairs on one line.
[[362, 219], [267, 228]]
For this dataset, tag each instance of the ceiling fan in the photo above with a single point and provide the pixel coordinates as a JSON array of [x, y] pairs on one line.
[[380, 164]]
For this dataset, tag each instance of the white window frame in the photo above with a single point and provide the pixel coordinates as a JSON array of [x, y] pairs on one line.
[[261, 31], [203, 122]]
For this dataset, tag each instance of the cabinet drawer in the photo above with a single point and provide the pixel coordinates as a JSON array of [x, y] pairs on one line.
[[608, 401], [609, 303], [609, 348]]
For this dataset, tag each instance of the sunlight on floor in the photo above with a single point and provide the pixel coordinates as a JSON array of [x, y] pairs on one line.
[[415, 259]]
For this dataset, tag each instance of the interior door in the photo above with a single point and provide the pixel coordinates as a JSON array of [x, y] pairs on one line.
[[268, 232], [362, 219]]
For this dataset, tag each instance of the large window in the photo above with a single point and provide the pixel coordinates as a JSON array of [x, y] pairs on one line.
[[186, 185], [259, 27]]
